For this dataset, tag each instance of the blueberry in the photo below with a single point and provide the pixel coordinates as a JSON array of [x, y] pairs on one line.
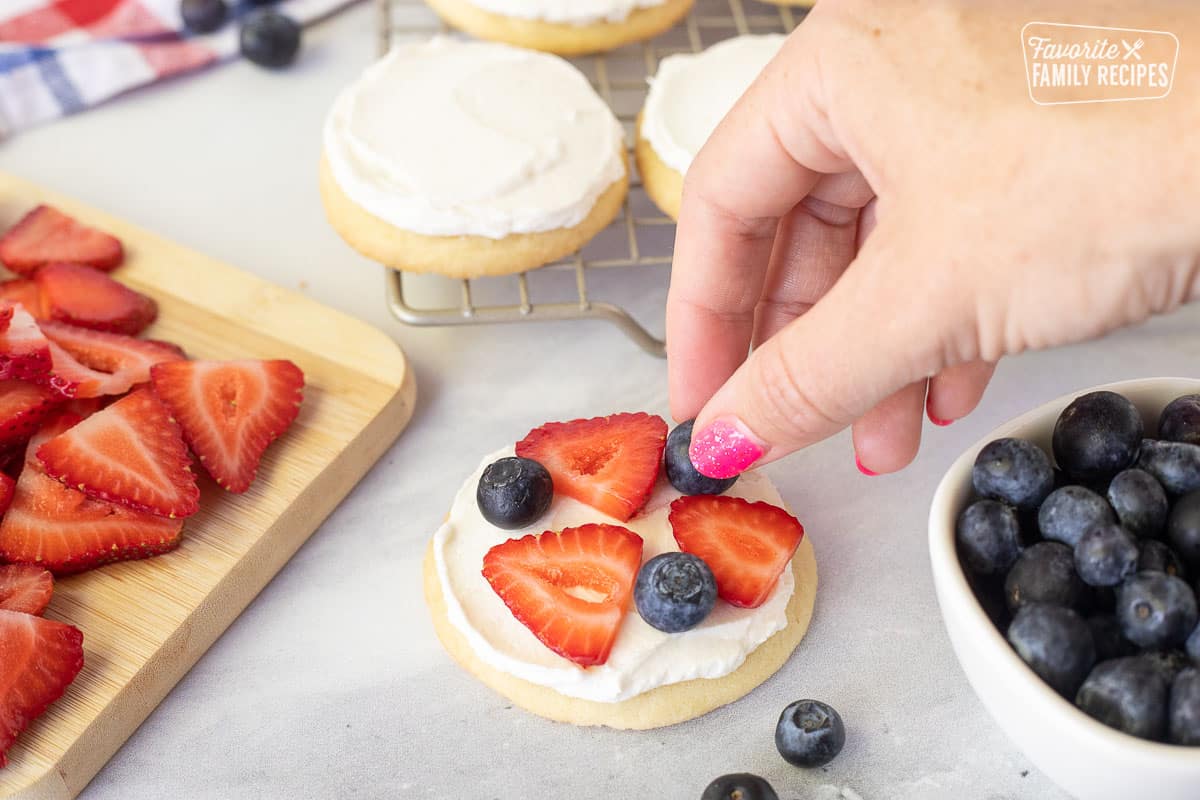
[[1183, 528], [1180, 420], [1192, 645], [682, 474], [1169, 662], [1183, 711], [1156, 610], [1097, 435], [1056, 643], [809, 733], [1175, 464], [1071, 511], [674, 592], [989, 591], [203, 16], [513, 492], [1106, 555], [1129, 694], [1045, 573], [1108, 639], [1015, 471], [741, 786], [1156, 556], [269, 39], [988, 536], [1140, 502]]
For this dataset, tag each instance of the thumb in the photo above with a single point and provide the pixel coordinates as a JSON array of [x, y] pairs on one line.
[[870, 335]]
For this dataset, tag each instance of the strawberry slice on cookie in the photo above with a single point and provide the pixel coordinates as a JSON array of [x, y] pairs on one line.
[[46, 235]]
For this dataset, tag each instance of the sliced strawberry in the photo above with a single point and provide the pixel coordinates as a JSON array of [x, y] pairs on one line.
[[609, 463], [24, 292], [230, 411], [41, 658], [113, 353], [571, 589], [23, 406], [132, 453], [746, 545], [6, 312], [8, 486], [90, 299], [25, 588], [24, 350], [46, 234], [70, 379]]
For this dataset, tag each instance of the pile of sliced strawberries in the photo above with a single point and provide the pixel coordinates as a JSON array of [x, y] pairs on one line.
[[97, 432], [572, 588]]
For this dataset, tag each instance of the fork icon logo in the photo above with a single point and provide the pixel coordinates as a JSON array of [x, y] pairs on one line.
[[1133, 50]]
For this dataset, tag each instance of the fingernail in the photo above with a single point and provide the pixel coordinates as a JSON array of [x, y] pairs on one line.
[[724, 449], [941, 422], [858, 463], [929, 413]]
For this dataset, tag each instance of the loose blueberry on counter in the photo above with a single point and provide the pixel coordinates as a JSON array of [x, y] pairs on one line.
[[739, 786], [1107, 636], [1129, 694], [1045, 573], [1097, 435], [1106, 555], [1183, 528], [1140, 502], [1183, 712], [1156, 556], [988, 536], [1156, 610], [269, 39], [1176, 465], [1071, 511], [1016, 471], [513, 492], [681, 472], [1180, 420], [674, 592], [1056, 643], [203, 16], [809, 733]]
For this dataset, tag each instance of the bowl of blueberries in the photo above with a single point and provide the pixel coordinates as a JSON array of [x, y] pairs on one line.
[[1065, 549]]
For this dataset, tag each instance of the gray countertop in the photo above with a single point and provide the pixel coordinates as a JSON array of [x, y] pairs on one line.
[[332, 683]]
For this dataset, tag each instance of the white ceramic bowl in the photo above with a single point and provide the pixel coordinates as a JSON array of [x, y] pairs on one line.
[[1087, 759]]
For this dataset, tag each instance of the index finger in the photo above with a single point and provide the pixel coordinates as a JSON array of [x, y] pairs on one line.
[[765, 156]]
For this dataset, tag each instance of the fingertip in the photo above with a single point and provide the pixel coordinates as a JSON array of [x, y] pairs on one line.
[[888, 437]]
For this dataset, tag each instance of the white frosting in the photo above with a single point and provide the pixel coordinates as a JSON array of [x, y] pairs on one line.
[[642, 657], [449, 138], [568, 12], [691, 93]]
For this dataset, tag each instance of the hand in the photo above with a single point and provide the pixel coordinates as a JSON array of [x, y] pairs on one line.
[[885, 213]]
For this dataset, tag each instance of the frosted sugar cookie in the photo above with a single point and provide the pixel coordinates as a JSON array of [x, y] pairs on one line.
[[688, 96], [566, 27], [470, 159]]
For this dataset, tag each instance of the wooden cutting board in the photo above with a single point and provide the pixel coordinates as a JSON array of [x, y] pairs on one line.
[[146, 622]]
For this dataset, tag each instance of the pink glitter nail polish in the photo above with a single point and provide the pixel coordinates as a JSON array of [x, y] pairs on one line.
[[723, 450]]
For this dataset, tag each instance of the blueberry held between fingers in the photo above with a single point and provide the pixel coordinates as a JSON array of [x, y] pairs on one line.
[[1176, 465], [1045, 573], [1016, 471], [1156, 556], [1156, 610], [739, 786], [1106, 555], [203, 16], [674, 592], [1183, 528], [809, 733], [988, 536], [269, 39], [514, 492], [1056, 643], [681, 472], [1183, 713], [1071, 511], [1140, 502], [1180, 420], [1097, 435], [1108, 639], [1129, 694]]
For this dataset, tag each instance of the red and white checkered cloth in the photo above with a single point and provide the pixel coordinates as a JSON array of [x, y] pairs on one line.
[[61, 56]]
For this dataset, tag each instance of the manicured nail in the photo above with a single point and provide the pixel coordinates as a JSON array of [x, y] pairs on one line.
[[858, 463], [942, 422], [724, 449], [929, 413]]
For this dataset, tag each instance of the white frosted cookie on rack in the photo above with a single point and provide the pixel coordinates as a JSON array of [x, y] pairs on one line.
[[526, 629], [470, 159], [566, 27], [689, 95]]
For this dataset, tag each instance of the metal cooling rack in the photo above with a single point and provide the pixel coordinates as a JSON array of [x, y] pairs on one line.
[[641, 236]]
